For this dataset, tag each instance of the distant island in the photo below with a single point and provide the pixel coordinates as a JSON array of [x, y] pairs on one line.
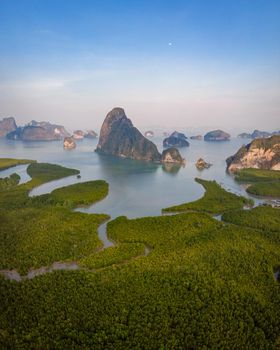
[[38, 131], [258, 134], [80, 134], [176, 139], [217, 135]]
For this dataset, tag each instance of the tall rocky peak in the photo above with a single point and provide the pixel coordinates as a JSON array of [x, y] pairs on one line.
[[263, 153], [7, 125], [118, 137]]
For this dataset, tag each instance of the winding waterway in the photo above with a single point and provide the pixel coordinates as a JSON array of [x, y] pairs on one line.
[[137, 189]]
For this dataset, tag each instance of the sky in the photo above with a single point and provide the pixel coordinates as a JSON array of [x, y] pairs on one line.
[[168, 63]]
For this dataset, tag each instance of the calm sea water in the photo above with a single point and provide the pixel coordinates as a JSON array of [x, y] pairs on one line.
[[136, 188]]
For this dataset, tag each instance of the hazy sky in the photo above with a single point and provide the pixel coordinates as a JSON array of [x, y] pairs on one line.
[[168, 63]]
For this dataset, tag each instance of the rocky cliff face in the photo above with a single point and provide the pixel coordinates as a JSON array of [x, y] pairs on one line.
[[217, 135], [261, 154], [38, 131], [201, 164], [118, 137], [69, 143], [172, 155], [176, 139], [7, 125]]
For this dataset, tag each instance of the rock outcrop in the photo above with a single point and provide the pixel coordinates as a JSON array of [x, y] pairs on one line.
[[217, 135], [69, 143], [90, 134], [78, 134], [149, 133], [176, 139], [7, 125], [118, 137], [261, 153], [201, 164], [38, 131], [172, 155], [196, 137]]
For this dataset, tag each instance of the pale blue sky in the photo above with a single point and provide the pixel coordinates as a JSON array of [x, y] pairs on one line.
[[168, 63]]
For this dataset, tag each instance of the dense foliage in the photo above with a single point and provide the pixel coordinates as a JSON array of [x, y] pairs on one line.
[[6, 163], [262, 182], [118, 254], [267, 189], [40, 173], [82, 193], [40, 230], [216, 200], [257, 175], [48, 172], [205, 284], [264, 218], [35, 237], [10, 181]]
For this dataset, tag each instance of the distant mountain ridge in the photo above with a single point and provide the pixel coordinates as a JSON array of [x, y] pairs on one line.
[[258, 134], [38, 131]]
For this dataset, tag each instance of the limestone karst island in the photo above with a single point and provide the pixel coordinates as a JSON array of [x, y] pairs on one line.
[[139, 175]]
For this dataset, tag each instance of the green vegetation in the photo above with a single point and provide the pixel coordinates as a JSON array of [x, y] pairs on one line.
[[262, 182], [38, 231], [47, 172], [257, 175], [82, 193], [264, 218], [113, 255], [271, 189], [6, 163], [8, 182], [216, 200], [40, 173], [206, 284], [31, 238]]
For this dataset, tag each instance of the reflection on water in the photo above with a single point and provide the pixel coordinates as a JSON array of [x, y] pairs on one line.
[[136, 188], [171, 168]]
